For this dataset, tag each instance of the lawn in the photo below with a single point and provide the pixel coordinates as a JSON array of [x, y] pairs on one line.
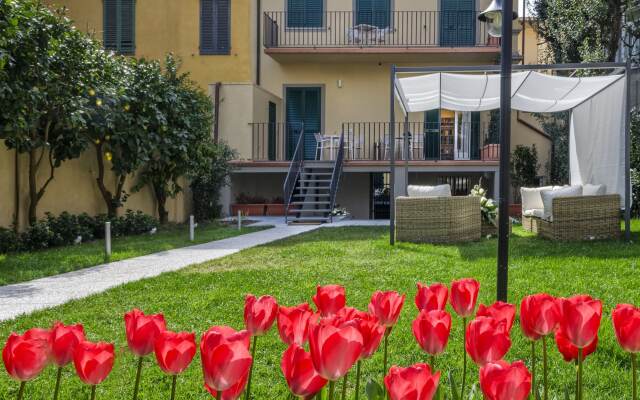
[[361, 259], [25, 266]]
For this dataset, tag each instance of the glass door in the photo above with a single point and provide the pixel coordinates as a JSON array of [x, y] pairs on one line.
[[462, 136]]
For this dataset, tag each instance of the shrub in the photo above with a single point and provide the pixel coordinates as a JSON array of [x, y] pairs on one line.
[[67, 228], [208, 179], [37, 237], [8, 241], [134, 223]]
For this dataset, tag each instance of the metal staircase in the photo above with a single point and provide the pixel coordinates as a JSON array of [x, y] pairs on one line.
[[311, 187]]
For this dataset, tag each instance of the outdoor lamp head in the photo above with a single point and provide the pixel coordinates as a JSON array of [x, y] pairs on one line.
[[493, 17]]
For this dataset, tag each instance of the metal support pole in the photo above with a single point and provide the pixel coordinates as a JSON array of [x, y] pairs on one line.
[[392, 158], [505, 150], [406, 152], [627, 155], [107, 239], [192, 230], [239, 220]]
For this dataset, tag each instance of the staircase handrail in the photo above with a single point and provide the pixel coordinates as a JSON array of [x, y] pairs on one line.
[[297, 162], [337, 173]]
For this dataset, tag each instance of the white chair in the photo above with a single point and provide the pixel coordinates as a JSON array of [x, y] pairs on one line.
[[320, 144]]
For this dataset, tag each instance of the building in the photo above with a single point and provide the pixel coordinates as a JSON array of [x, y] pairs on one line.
[[275, 68]]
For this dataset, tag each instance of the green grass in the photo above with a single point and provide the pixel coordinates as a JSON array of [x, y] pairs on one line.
[[26, 266], [361, 259]]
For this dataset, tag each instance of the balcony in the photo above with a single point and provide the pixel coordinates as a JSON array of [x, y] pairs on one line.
[[368, 142], [396, 32]]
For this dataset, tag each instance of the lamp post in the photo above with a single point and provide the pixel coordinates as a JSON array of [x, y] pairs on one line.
[[499, 26]]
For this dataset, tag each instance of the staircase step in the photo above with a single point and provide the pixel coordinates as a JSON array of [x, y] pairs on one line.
[[313, 187], [315, 180], [312, 195], [312, 210], [297, 203], [317, 173]]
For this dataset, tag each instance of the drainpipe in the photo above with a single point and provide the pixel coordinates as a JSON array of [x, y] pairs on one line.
[[16, 213], [258, 39], [524, 27], [216, 112]]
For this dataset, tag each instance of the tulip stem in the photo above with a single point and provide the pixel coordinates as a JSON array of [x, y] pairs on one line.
[[634, 378], [58, 378], [533, 368], [138, 375], [332, 387], [464, 351], [93, 392], [544, 367], [580, 352], [219, 395], [432, 362], [173, 387], [358, 380], [387, 332], [21, 390], [253, 359], [344, 386]]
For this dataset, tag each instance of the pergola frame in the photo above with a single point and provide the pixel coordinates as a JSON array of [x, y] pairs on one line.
[[395, 71]]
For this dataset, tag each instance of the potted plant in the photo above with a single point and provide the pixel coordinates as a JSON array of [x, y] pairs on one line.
[[489, 211], [275, 207], [249, 205], [524, 171]]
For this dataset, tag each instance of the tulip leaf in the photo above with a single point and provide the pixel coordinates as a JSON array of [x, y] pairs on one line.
[[566, 393], [453, 386], [472, 392], [374, 390]]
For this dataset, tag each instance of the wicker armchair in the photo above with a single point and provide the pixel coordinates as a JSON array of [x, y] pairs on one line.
[[579, 218], [438, 219]]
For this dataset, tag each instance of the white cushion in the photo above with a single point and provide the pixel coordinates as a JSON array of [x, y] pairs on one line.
[[539, 213], [531, 197], [594, 190], [532, 212], [429, 191], [549, 195]]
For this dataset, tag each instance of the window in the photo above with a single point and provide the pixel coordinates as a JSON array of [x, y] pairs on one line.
[[373, 12], [305, 13], [215, 27], [119, 29]]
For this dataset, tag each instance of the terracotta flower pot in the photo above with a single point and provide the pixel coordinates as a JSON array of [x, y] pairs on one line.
[[248, 209], [490, 152], [515, 210], [275, 210]]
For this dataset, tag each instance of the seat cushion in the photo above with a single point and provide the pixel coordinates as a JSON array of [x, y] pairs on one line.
[[429, 191], [594, 190], [534, 212], [549, 195], [531, 197]]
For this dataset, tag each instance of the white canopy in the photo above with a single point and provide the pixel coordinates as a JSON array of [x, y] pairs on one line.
[[598, 104]]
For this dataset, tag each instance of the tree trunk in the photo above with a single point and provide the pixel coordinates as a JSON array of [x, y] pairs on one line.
[[33, 190], [106, 194], [161, 198], [16, 216]]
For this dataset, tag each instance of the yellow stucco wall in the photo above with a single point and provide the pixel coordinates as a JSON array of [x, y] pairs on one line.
[[164, 26]]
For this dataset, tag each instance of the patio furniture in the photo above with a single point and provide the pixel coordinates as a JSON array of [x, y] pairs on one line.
[[577, 218], [438, 219], [321, 140]]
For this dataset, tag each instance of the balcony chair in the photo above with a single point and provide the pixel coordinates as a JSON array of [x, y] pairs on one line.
[[320, 144]]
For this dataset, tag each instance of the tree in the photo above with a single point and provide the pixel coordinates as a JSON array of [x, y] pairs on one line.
[[44, 65], [180, 141], [524, 167], [208, 178]]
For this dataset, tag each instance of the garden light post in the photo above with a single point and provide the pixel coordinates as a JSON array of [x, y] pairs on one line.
[[499, 26]]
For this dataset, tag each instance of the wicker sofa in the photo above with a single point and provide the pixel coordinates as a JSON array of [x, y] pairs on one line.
[[438, 219], [579, 218]]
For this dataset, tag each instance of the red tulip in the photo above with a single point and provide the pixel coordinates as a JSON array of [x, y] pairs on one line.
[[329, 299], [93, 361], [225, 357], [539, 315], [298, 370], [626, 322], [372, 333], [142, 331], [335, 346], [259, 314], [63, 340], [412, 383], [432, 297], [569, 351], [233, 392], [174, 351], [349, 313], [487, 340], [500, 311], [580, 321], [431, 329], [386, 306], [293, 323], [504, 381], [24, 357], [464, 294], [38, 334]]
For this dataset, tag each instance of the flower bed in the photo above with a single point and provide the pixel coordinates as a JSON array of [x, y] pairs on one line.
[[326, 343]]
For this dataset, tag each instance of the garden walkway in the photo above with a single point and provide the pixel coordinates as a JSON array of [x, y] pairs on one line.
[[47, 292]]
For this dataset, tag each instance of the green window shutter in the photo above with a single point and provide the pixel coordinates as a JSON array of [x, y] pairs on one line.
[[457, 23], [215, 27], [119, 28], [304, 106], [475, 135], [305, 13], [373, 12], [432, 134]]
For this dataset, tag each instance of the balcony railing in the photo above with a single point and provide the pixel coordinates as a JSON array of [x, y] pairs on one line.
[[404, 29], [370, 141]]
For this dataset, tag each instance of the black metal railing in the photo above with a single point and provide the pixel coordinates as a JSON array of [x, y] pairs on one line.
[[337, 173], [297, 162], [375, 29], [369, 141]]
